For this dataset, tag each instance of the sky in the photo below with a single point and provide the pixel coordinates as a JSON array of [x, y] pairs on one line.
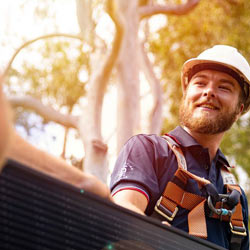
[[18, 22]]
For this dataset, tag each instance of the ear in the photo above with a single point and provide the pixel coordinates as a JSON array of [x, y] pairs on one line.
[[241, 107], [240, 111], [184, 83], [184, 90]]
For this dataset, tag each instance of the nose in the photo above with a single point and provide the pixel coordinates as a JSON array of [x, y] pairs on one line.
[[209, 92]]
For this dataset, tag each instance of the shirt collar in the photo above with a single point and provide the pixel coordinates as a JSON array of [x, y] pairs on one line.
[[186, 140], [183, 137], [222, 159]]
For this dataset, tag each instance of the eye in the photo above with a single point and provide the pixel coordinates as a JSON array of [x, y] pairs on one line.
[[225, 88], [199, 83]]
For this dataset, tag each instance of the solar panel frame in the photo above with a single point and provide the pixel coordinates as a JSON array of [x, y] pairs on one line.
[[40, 212]]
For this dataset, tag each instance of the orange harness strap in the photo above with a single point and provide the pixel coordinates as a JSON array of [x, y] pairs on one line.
[[175, 195], [197, 221]]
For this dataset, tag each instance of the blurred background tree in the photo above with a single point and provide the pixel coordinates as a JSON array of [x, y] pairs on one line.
[[56, 77], [62, 72]]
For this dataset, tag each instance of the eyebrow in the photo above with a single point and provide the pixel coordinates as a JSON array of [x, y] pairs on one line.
[[201, 75]]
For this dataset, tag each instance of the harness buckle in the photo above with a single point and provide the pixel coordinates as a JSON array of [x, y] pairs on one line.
[[163, 211], [238, 230]]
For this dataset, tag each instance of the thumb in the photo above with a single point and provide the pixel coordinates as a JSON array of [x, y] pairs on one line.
[[166, 223]]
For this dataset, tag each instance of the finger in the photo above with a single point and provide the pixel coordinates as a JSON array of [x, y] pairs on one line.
[[166, 223]]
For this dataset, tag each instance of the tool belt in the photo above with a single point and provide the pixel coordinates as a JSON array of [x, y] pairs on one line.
[[225, 207]]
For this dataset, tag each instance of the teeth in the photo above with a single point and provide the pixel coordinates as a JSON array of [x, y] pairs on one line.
[[207, 106]]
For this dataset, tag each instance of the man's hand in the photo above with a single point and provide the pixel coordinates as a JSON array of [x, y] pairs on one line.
[[94, 185]]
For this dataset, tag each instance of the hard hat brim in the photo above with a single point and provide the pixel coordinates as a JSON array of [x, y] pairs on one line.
[[189, 64]]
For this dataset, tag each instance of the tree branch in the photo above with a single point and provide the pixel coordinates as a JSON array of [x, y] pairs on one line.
[[117, 40], [32, 41], [47, 112], [170, 9]]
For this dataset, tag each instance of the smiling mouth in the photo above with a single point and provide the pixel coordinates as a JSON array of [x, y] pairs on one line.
[[207, 106]]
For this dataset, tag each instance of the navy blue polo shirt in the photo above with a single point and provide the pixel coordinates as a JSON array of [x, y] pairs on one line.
[[146, 164]]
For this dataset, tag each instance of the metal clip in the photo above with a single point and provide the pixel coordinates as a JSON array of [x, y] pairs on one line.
[[220, 211]]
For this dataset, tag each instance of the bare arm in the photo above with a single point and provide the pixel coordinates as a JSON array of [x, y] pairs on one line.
[[5, 126], [23, 152], [131, 199], [134, 201]]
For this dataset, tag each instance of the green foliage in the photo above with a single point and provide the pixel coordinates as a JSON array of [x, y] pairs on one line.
[[51, 73], [236, 143], [185, 37]]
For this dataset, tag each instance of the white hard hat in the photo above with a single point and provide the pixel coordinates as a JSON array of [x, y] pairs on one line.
[[222, 58]]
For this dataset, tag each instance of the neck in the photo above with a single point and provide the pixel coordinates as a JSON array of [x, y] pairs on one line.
[[211, 142]]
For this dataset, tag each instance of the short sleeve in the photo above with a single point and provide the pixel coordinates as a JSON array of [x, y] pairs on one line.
[[134, 168]]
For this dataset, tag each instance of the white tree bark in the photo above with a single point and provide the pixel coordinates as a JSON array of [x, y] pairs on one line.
[[95, 161], [46, 112], [128, 115], [170, 9], [84, 18], [155, 118]]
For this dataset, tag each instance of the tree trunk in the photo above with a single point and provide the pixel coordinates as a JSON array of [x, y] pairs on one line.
[[128, 74], [95, 161], [155, 118]]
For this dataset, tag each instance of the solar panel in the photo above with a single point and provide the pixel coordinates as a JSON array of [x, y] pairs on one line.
[[40, 212]]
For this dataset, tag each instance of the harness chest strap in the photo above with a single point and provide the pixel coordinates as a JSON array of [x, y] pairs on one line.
[[237, 217], [175, 195]]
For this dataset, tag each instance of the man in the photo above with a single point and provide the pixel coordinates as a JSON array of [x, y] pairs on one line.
[[215, 94]]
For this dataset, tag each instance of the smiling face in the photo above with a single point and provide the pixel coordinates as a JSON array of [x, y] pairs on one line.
[[210, 104]]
